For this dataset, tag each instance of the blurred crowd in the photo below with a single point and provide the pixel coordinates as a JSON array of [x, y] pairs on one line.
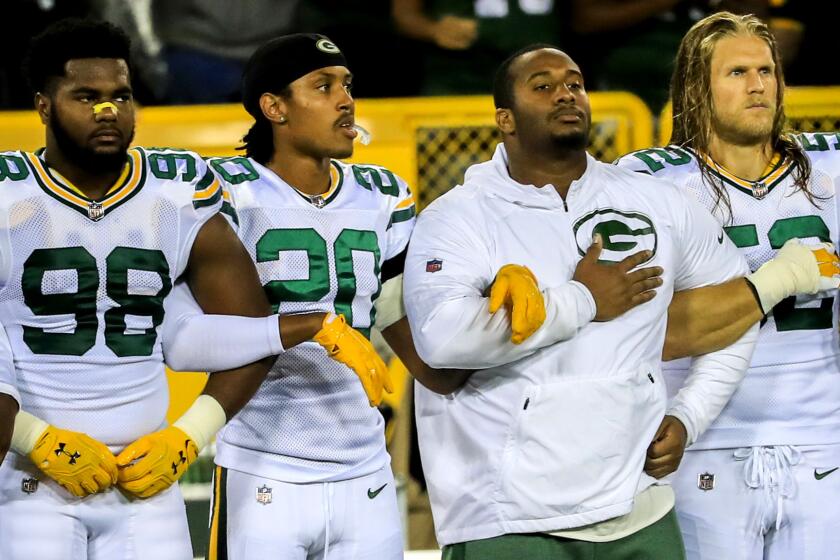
[[193, 51]]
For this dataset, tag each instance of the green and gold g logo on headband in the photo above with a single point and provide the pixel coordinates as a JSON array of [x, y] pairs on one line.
[[624, 233], [327, 46]]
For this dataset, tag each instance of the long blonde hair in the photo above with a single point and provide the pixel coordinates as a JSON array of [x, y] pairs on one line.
[[691, 96]]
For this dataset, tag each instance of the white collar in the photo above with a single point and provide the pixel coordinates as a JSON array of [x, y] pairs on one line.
[[494, 178]]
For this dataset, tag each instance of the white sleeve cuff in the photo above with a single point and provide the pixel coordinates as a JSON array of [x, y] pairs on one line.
[[28, 430]]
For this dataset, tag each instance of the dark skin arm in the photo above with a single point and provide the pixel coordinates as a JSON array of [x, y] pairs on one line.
[[8, 411], [224, 281], [707, 319], [441, 381], [449, 32], [665, 452]]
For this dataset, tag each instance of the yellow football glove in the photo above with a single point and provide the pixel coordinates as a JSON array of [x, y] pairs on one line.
[[827, 262], [155, 461], [79, 463], [516, 287], [348, 346]]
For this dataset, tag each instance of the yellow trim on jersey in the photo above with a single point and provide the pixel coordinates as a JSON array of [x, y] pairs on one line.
[[77, 190], [213, 544], [405, 203], [64, 190], [773, 171], [334, 182], [209, 191]]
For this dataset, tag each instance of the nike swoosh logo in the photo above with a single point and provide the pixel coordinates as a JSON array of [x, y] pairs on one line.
[[822, 475], [374, 493]]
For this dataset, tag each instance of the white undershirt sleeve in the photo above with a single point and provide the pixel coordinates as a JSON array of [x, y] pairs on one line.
[[447, 272], [193, 341], [709, 257]]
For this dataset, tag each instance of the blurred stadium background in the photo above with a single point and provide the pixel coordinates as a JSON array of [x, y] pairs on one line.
[[428, 140]]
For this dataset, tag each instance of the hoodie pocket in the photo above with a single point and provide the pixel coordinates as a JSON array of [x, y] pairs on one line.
[[579, 445]]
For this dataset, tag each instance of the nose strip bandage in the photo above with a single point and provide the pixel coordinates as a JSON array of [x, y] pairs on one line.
[[99, 107]]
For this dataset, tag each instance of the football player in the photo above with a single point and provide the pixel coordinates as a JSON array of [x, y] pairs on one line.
[[303, 471], [541, 453], [758, 484], [93, 236]]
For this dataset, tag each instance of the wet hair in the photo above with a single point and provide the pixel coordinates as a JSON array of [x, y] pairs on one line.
[[258, 142], [503, 97], [71, 39], [691, 96]]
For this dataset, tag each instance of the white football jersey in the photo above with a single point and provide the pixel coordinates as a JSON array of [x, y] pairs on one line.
[[82, 286], [8, 378], [791, 394], [310, 420]]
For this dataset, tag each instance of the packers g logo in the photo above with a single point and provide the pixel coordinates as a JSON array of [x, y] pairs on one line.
[[624, 233], [327, 46]]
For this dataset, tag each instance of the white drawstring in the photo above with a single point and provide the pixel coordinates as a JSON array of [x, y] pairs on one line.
[[328, 492], [770, 468]]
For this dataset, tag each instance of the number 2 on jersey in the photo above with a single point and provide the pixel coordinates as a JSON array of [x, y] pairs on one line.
[[317, 284], [788, 316]]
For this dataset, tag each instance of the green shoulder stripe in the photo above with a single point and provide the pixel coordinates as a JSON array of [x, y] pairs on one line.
[[401, 216], [228, 210], [208, 191]]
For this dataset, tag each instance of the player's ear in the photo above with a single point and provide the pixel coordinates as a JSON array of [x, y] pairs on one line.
[[43, 106], [505, 121], [273, 107]]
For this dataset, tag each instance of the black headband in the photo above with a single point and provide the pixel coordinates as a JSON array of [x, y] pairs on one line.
[[283, 60]]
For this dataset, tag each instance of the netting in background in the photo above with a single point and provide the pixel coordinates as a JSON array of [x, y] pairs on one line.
[[445, 153], [814, 124]]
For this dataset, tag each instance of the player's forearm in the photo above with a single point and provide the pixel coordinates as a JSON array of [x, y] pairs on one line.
[[234, 388], [707, 319], [411, 21], [461, 333], [8, 411], [295, 329], [441, 381], [713, 380]]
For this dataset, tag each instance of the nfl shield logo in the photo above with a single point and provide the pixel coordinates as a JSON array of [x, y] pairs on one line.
[[95, 211], [706, 481], [264, 495], [759, 190], [434, 265], [29, 485]]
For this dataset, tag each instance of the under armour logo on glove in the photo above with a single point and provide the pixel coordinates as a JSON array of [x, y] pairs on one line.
[[182, 458], [60, 451], [153, 463]]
